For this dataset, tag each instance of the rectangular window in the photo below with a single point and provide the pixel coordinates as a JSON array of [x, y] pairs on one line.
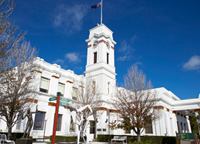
[[95, 57], [39, 121], [74, 93], [127, 131], [61, 88], [18, 124], [72, 126], [44, 85], [148, 129], [178, 127], [59, 122], [92, 127], [107, 58]]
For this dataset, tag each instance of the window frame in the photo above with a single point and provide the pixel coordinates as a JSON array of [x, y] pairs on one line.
[[42, 89], [42, 122], [95, 57]]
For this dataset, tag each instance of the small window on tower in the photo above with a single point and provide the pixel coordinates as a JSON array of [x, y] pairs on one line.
[[107, 58], [95, 57]]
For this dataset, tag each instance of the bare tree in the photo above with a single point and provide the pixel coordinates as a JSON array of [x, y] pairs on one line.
[[135, 103], [17, 70], [17, 86], [9, 39], [89, 94]]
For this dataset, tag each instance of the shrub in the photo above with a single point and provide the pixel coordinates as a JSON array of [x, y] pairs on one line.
[[64, 138], [144, 139]]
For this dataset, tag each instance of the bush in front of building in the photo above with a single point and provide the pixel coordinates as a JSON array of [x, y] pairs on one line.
[[64, 138], [132, 139], [14, 136]]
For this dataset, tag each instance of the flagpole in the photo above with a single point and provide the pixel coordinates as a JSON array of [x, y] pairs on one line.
[[101, 10]]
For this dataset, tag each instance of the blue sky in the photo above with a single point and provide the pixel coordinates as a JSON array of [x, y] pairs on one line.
[[161, 37]]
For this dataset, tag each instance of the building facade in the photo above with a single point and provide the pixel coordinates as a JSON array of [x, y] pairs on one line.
[[100, 67]]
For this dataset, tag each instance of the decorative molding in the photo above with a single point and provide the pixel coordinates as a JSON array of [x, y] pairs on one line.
[[32, 100], [37, 71], [89, 46], [102, 108], [55, 76], [114, 111], [51, 104], [112, 47], [167, 109], [69, 82], [102, 41], [158, 107]]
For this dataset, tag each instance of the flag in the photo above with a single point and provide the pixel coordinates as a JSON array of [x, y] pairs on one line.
[[96, 6]]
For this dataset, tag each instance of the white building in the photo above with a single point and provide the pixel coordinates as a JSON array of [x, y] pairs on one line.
[[101, 68]]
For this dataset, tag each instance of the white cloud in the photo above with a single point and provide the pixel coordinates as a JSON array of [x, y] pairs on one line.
[[124, 46], [58, 61], [134, 38], [70, 18], [72, 57], [193, 63], [127, 49], [125, 57], [138, 63]]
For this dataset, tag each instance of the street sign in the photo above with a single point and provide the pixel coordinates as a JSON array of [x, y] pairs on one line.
[[64, 99], [52, 98], [61, 103]]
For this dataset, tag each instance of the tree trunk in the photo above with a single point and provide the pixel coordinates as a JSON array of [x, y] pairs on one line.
[[138, 137], [9, 132]]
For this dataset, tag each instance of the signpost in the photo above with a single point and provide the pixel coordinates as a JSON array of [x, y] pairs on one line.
[[52, 98], [62, 102]]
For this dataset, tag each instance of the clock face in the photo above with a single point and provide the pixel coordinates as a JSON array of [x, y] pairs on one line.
[[95, 44], [107, 44]]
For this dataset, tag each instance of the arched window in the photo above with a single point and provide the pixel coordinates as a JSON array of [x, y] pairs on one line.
[[93, 87]]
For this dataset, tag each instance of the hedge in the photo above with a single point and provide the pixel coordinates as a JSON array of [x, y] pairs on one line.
[[64, 138], [15, 136], [131, 139]]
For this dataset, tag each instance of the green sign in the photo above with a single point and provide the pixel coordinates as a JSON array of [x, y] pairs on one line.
[[53, 99], [61, 103], [64, 99], [185, 135]]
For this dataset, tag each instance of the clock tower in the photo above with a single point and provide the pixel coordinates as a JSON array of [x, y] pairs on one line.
[[100, 59]]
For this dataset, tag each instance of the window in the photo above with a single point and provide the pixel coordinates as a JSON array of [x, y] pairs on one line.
[[44, 85], [39, 121], [95, 57], [148, 129], [59, 122], [74, 93], [72, 126], [108, 86], [92, 127], [127, 131], [107, 58], [93, 87], [181, 127], [18, 124], [185, 128], [61, 88], [178, 127]]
